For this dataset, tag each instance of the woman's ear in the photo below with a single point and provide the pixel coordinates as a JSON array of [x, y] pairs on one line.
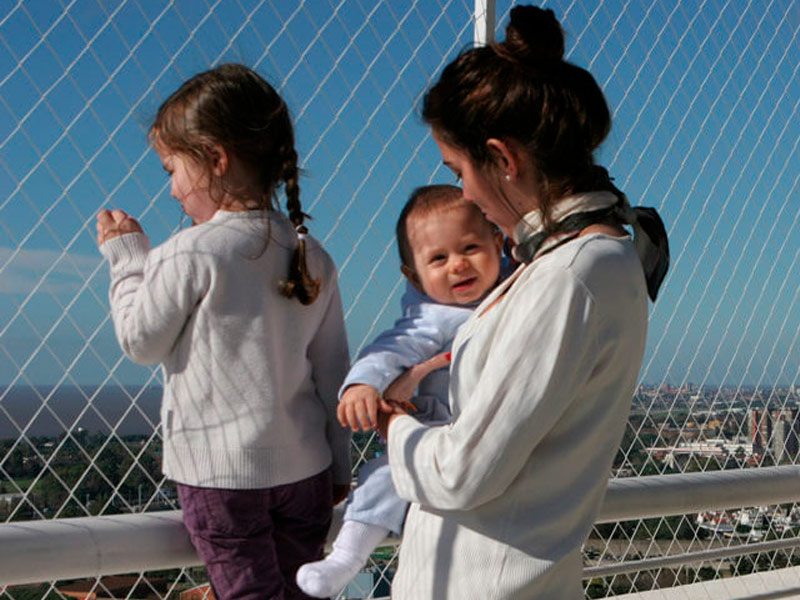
[[499, 241], [506, 158]]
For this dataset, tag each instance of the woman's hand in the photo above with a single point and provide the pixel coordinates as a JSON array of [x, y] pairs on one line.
[[114, 223], [385, 421], [403, 388]]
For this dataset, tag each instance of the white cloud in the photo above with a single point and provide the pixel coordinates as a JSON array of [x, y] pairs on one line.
[[49, 271]]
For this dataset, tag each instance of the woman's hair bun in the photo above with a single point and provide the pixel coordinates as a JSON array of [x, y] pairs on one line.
[[534, 35]]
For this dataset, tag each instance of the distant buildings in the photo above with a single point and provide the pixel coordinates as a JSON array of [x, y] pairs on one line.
[[716, 447], [751, 523], [733, 426], [760, 428], [776, 432], [11, 498], [771, 432]]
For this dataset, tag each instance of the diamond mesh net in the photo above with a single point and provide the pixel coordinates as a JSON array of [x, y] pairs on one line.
[[705, 98]]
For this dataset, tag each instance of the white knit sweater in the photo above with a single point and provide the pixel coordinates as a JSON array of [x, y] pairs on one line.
[[251, 377], [540, 388]]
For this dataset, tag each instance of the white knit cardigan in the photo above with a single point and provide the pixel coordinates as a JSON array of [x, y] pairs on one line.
[[250, 377]]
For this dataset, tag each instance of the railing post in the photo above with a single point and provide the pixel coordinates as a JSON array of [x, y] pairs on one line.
[[484, 22]]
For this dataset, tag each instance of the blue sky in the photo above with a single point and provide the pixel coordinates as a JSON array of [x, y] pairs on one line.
[[706, 129]]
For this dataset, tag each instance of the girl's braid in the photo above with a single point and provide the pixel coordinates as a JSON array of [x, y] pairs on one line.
[[299, 283]]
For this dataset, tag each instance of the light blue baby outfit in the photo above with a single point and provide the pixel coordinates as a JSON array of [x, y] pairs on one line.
[[425, 330]]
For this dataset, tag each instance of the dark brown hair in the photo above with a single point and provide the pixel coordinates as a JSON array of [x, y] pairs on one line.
[[521, 89], [424, 201], [234, 107]]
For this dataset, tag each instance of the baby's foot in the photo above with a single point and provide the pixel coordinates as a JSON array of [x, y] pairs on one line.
[[326, 578]]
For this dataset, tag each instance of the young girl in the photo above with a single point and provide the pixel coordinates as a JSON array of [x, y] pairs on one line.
[[243, 312]]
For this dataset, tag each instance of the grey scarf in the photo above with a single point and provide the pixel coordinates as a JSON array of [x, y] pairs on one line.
[[573, 214]]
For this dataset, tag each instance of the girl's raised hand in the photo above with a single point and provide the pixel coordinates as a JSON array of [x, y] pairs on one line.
[[114, 223]]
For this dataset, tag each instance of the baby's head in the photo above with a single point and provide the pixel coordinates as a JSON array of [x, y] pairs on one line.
[[448, 249]]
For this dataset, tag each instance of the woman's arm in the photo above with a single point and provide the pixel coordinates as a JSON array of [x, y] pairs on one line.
[[541, 353]]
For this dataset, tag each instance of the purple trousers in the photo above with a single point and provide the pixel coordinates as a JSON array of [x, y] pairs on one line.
[[253, 541]]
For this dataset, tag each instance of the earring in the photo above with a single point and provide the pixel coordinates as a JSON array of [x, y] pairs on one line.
[[508, 177]]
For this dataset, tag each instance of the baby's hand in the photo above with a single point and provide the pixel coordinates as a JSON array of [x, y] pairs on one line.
[[358, 408], [114, 223], [402, 389]]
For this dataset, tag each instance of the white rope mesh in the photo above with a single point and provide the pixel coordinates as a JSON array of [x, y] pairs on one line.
[[705, 98]]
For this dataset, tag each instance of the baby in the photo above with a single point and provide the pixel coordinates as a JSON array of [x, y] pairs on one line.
[[452, 257]]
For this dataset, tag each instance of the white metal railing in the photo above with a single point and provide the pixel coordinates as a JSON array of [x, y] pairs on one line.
[[685, 558], [35, 551]]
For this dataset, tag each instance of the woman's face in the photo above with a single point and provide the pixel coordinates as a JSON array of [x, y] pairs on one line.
[[480, 185]]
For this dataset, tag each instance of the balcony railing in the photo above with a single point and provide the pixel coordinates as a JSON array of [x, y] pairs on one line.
[[32, 552]]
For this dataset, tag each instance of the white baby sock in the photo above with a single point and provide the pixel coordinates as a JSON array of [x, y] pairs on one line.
[[352, 548]]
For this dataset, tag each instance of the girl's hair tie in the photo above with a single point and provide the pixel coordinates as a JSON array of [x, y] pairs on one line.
[[300, 283]]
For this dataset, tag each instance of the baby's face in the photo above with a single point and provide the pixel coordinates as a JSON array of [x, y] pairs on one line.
[[456, 255]]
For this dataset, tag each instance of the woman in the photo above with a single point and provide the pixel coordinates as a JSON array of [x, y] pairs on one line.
[[543, 372]]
